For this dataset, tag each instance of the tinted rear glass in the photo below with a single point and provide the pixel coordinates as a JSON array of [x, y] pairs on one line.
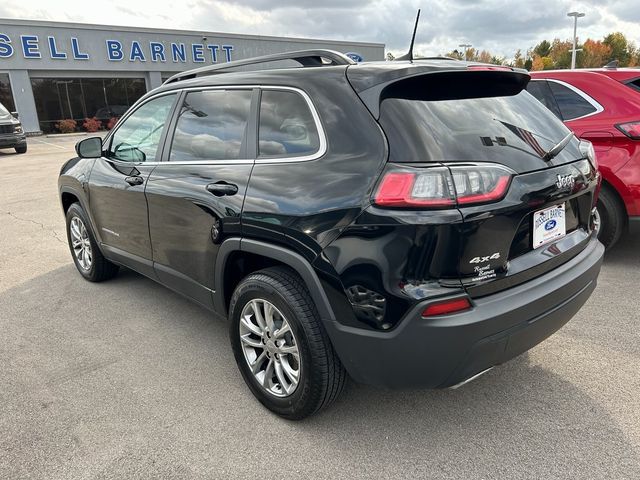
[[635, 84], [476, 129], [571, 104], [540, 89], [286, 127]]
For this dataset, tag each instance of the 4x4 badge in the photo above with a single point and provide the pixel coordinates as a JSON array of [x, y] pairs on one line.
[[494, 256]]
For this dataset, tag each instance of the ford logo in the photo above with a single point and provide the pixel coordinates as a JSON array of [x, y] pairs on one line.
[[550, 225], [356, 57]]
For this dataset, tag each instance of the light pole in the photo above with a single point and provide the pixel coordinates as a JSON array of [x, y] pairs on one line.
[[466, 47], [575, 16]]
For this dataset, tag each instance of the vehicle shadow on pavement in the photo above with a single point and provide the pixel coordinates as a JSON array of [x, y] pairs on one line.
[[126, 379], [625, 252]]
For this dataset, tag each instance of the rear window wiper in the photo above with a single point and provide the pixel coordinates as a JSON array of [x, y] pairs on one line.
[[558, 147]]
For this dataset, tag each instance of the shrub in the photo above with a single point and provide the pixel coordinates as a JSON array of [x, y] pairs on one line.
[[66, 126], [112, 122], [92, 125]]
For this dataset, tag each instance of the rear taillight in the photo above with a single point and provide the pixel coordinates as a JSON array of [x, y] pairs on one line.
[[631, 129], [441, 187], [586, 148], [431, 188]]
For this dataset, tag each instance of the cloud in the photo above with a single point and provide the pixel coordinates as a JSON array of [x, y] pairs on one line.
[[500, 26]]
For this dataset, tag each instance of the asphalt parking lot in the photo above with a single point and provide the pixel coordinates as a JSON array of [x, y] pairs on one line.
[[128, 380]]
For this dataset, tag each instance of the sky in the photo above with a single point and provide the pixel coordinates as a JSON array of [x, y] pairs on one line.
[[499, 26]]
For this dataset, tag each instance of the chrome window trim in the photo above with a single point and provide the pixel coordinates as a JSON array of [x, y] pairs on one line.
[[599, 108], [322, 149]]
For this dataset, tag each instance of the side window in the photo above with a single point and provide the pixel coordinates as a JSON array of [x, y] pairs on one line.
[[540, 89], [137, 138], [212, 125], [571, 104], [286, 127]]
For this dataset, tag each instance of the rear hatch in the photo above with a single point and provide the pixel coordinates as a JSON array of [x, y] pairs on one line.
[[475, 141]]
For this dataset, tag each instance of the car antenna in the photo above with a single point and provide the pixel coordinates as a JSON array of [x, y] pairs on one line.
[[409, 54], [612, 65]]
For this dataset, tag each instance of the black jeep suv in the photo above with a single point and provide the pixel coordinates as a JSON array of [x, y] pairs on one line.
[[407, 223], [11, 133]]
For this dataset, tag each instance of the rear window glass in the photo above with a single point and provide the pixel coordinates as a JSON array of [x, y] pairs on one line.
[[572, 105], [474, 129], [286, 128], [635, 84], [540, 89]]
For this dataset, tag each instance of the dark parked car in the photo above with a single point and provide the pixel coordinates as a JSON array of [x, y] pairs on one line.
[[11, 133], [406, 223], [602, 106], [105, 114]]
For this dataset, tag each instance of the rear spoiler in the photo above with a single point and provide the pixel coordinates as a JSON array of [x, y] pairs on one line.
[[432, 84]]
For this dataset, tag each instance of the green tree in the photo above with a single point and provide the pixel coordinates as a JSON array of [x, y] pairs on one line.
[[542, 49], [619, 46]]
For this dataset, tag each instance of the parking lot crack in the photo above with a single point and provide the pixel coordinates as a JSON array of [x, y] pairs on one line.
[[41, 225]]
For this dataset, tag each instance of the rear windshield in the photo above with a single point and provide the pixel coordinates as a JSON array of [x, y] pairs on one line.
[[635, 84], [472, 129]]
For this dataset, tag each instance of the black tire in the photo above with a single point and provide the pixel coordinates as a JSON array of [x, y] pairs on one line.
[[612, 217], [21, 149], [321, 374], [100, 268]]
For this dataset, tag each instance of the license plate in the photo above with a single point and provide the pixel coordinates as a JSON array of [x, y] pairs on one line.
[[549, 225]]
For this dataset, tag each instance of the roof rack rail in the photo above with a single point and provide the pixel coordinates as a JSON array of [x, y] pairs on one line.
[[306, 58]]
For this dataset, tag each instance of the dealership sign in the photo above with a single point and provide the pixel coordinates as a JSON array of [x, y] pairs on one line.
[[34, 47]]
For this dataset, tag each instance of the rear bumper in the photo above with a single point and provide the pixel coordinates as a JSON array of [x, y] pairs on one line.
[[444, 351], [12, 141], [634, 225]]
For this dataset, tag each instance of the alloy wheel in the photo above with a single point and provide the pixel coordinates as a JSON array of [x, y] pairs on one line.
[[80, 243], [597, 221], [270, 347]]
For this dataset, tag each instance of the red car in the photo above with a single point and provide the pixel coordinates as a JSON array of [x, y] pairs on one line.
[[603, 106]]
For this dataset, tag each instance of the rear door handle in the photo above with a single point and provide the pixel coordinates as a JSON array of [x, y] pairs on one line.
[[134, 180], [220, 189]]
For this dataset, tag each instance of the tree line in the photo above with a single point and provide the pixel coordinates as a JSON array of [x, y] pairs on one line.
[[556, 54]]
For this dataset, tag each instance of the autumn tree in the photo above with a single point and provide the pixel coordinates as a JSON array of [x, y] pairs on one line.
[[560, 53], [594, 54], [541, 63], [518, 60], [484, 57]]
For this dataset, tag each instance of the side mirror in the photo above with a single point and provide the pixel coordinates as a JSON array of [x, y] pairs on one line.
[[89, 148], [16, 115]]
